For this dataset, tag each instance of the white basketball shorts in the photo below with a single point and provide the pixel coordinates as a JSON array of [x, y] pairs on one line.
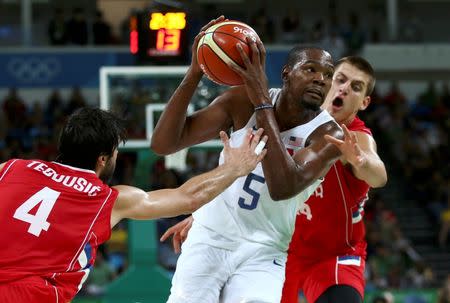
[[236, 271]]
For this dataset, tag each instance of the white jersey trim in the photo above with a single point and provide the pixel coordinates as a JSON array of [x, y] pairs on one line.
[[75, 168], [5, 169], [56, 293], [345, 207], [309, 126]]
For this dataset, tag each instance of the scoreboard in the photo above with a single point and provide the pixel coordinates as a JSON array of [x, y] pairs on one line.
[[159, 36]]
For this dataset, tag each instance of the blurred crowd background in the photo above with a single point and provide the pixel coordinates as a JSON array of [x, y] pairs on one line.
[[408, 222]]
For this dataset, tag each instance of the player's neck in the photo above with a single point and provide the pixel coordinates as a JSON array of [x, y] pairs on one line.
[[290, 115]]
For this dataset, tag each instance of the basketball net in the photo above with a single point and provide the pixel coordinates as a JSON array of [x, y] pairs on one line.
[[177, 160]]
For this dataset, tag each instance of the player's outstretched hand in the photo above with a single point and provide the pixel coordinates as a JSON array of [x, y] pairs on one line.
[[244, 158], [179, 233], [349, 147], [194, 63]]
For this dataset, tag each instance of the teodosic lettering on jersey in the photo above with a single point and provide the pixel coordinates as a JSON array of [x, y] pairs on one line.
[[78, 183]]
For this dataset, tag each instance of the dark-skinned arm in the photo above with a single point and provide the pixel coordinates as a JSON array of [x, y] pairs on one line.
[[285, 176], [201, 126]]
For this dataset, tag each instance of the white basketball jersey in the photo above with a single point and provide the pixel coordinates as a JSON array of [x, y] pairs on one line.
[[245, 210]]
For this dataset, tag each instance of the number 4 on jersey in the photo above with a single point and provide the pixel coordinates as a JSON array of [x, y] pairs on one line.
[[38, 222]]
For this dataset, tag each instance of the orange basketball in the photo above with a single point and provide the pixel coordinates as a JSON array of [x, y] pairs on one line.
[[217, 50]]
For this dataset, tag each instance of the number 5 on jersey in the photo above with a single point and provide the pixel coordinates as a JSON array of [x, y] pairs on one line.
[[38, 222], [255, 195]]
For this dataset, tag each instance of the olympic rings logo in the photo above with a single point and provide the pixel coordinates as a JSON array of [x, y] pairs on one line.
[[34, 70]]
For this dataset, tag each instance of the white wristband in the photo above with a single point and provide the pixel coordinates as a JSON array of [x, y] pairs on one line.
[[259, 147]]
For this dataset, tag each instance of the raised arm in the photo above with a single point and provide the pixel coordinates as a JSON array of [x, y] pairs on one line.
[[137, 204], [201, 126], [360, 151], [285, 176]]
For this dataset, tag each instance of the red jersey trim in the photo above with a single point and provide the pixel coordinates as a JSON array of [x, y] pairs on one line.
[[72, 263]]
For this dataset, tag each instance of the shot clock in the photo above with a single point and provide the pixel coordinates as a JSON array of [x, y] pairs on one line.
[[159, 36]]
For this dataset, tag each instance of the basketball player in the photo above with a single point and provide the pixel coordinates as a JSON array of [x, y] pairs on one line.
[[325, 260], [326, 257], [236, 248], [55, 214]]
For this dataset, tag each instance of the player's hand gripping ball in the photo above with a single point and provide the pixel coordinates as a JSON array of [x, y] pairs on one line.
[[217, 50]]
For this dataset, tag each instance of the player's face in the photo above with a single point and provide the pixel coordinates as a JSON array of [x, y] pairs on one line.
[[310, 79], [348, 93], [108, 170]]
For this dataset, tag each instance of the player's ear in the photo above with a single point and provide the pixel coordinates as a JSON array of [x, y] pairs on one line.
[[285, 73], [101, 160], [365, 103]]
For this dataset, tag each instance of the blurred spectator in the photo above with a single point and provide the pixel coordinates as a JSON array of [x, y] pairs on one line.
[[77, 29], [385, 297], [442, 108], [444, 291], [55, 108], [263, 25], [100, 276], [354, 35], [292, 31], [411, 28], [117, 246], [57, 28], [445, 97], [76, 100], [445, 222], [419, 276], [101, 30], [429, 98], [385, 266], [402, 245], [14, 109], [318, 32], [167, 178], [394, 96], [36, 123], [334, 43], [332, 39]]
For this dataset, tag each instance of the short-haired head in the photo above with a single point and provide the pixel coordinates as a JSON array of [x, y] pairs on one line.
[[300, 52], [88, 134], [364, 66]]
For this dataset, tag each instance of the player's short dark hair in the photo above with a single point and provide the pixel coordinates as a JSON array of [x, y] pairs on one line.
[[364, 66], [88, 134], [298, 52]]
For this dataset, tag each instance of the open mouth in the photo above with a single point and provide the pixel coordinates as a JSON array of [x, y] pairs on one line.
[[338, 102]]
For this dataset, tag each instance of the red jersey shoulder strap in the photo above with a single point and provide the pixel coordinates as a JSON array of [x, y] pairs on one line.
[[6, 168], [358, 125]]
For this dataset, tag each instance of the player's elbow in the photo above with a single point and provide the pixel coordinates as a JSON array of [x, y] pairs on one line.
[[160, 148], [288, 189], [379, 182], [281, 194], [278, 197]]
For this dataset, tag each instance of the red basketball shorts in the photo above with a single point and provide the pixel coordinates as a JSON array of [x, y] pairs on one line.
[[29, 290], [315, 278]]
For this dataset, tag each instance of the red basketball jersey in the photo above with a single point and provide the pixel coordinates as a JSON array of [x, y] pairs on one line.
[[53, 218], [331, 223]]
